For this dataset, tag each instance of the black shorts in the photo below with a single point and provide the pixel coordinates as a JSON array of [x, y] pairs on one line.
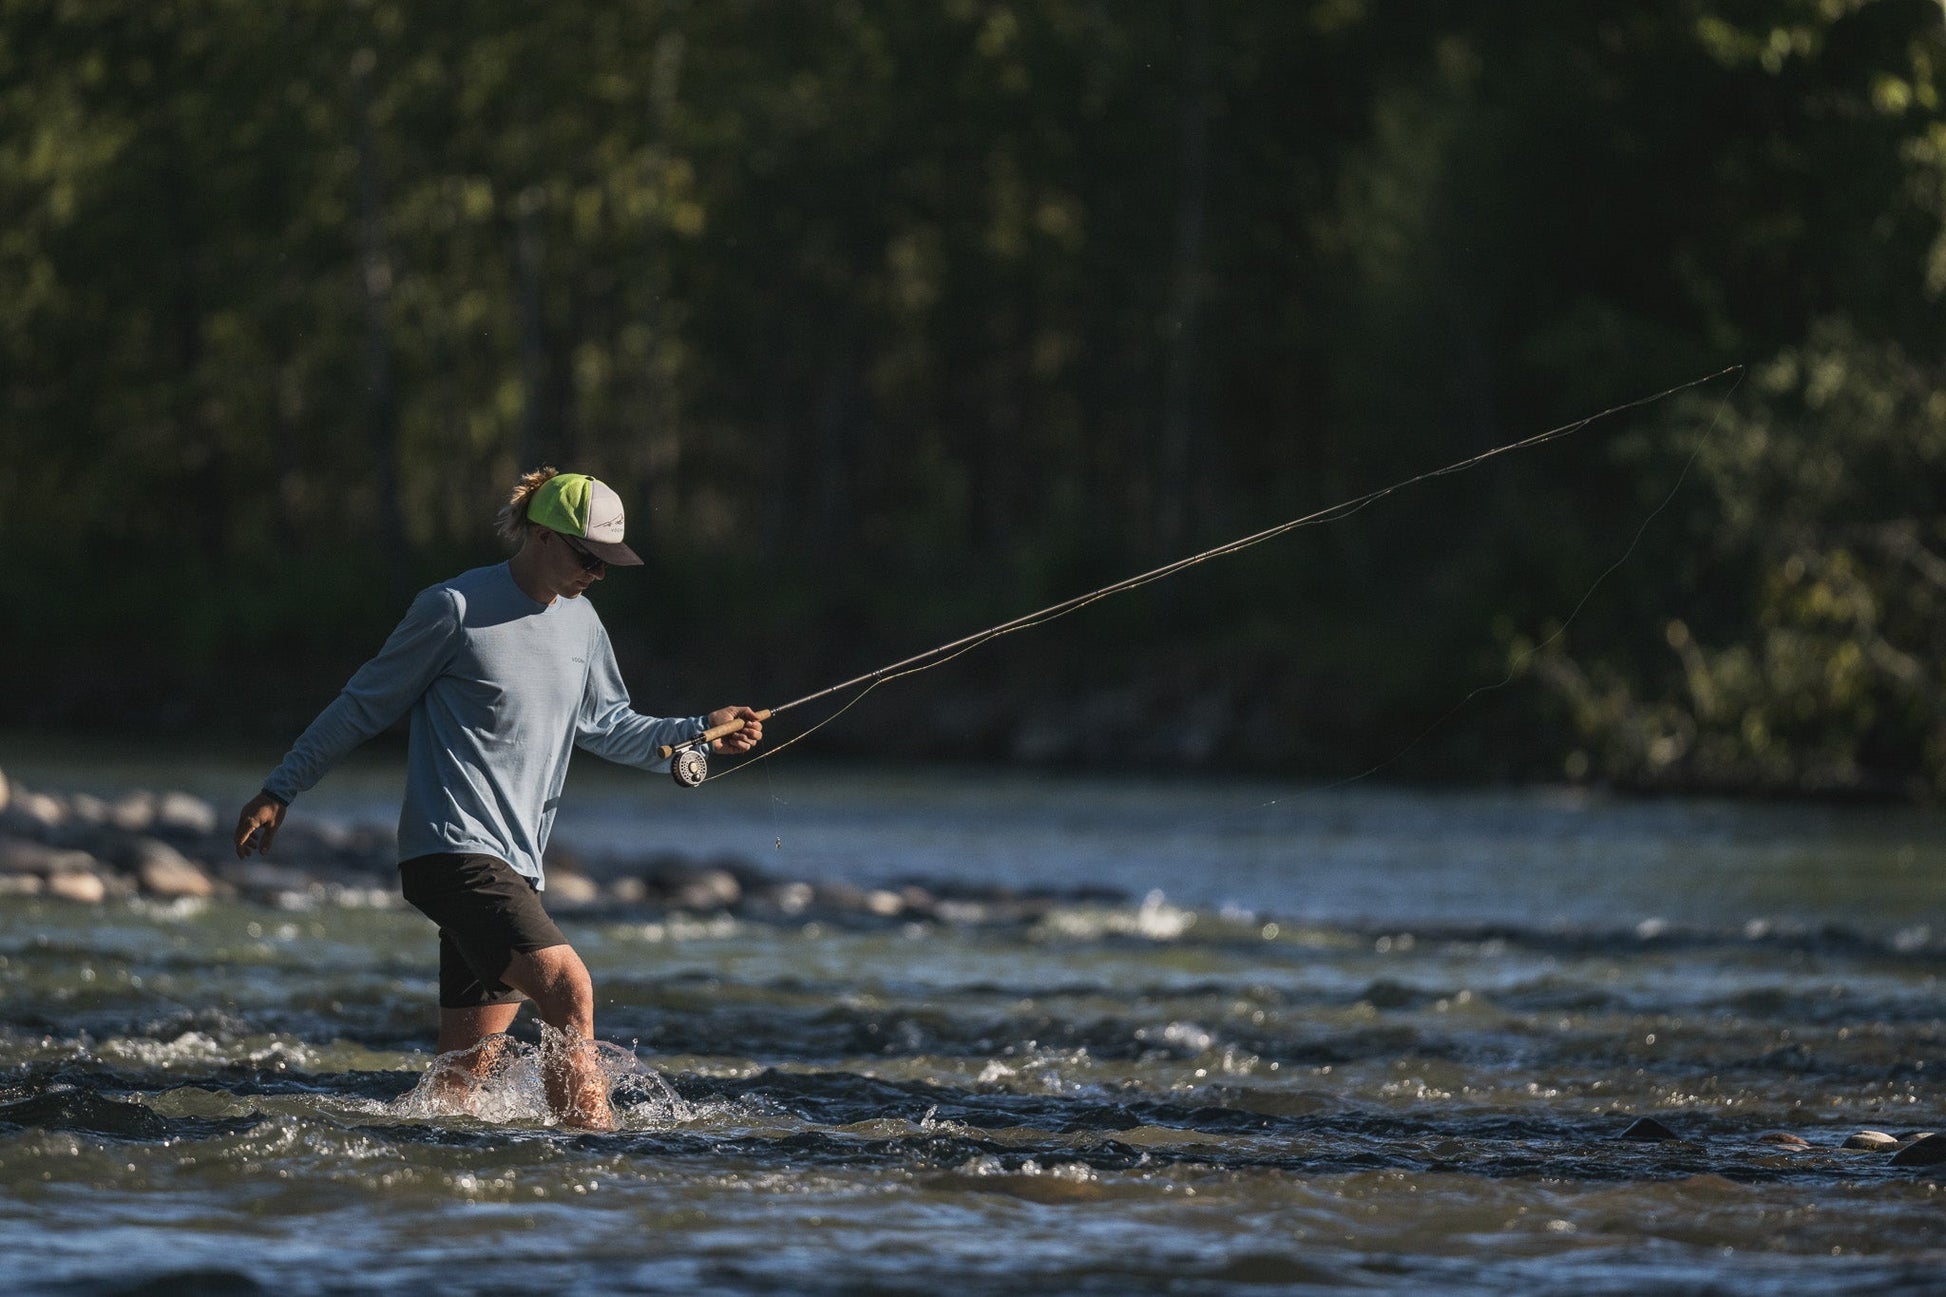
[[486, 914]]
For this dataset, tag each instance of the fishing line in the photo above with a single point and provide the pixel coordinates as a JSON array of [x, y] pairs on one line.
[[1533, 651], [690, 764]]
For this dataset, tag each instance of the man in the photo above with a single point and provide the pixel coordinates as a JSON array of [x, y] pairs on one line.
[[505, 670]]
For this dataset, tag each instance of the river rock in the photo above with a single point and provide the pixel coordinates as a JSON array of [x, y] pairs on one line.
[[1872, 1141], [88, 808], [184, 813], [82, 832], [25, 856], [21, 885], [49, 813], [1929, 1150], [133, 812], [792, 899], [628, 891], [83, 885], [1649, 1129], [261, 881], [565, 887], [1784, 1139], [166, 872], [839, 896], [706, 889]]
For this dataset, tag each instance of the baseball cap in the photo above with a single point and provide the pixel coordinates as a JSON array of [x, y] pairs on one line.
[[577, 505]]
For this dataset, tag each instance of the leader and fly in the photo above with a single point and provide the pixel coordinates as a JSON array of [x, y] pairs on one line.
[[689, 759]]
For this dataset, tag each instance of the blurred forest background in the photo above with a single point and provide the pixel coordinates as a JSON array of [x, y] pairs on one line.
[[894, 321]]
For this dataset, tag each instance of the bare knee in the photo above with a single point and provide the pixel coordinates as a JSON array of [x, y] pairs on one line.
[[557, 982]]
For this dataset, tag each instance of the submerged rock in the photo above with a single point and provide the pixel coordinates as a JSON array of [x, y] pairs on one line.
[[1784, 1139], [1929, 1150], [1650, 1130]]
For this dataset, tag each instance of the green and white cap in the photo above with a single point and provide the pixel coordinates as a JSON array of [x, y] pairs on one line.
[[577, 505]]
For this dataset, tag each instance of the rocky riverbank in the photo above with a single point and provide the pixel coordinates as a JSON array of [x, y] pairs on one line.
[[169, 845]]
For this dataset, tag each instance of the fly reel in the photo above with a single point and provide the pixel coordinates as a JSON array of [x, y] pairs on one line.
[[689, 767]]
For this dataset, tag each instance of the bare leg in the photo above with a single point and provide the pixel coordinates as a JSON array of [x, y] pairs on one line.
[[473, 1031], [557, 982]]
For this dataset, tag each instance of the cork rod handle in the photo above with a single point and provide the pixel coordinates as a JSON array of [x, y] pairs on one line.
[[710, 735]]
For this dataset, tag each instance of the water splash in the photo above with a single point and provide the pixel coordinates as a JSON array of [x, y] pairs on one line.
[[1156, 920], [502, 1081]]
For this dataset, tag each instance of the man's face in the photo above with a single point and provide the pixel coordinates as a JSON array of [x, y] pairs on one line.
[[572, 569]]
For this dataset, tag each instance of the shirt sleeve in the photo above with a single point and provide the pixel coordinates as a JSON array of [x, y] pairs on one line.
[[381, 691], [608, 727]]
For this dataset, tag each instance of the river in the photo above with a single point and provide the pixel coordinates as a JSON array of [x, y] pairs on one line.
[[1371, 1038]]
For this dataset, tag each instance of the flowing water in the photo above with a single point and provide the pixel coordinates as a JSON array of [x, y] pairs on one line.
[[1368, 1039]]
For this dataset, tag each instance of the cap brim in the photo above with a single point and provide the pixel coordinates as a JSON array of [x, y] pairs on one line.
[[613, 553]]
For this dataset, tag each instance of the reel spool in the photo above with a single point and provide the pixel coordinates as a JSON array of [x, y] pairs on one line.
[[689, 767]]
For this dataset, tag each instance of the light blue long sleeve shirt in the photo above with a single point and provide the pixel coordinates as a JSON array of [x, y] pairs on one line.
[[502, 690]]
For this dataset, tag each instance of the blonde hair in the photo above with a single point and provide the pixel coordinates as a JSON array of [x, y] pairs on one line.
[[511, 522]]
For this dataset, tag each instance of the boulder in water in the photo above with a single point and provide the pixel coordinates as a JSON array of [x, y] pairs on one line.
[[706, 889], [1650, 1130], [628, 891], [1927, 1151], [164, 871], [40, 810], [259, 880], [133, 812], [565, 887], [184, 813], [23, 855], [1872, 1141], [87, 808], [1784, 1139], [83, 885], [26, 856]]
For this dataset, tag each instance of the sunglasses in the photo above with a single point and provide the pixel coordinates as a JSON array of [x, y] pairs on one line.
[[589, 562]]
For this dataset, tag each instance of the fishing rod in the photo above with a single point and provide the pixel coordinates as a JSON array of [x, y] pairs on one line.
[[689, 759]]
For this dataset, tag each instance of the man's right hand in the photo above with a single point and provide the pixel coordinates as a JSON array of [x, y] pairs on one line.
[[258, 825]]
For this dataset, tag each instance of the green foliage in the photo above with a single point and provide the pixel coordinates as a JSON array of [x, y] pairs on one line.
[[1826, 668], [894, 321]]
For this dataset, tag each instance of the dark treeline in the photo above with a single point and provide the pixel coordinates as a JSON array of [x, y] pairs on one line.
[[893, 321]]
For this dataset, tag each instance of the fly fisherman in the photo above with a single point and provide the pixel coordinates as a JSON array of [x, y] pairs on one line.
[[505, 671]]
